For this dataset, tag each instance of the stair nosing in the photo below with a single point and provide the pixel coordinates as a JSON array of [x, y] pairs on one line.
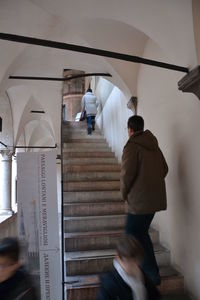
[[93, 217], [92, 233], [90, 203], [95, 278], [103, 253], [99, 233]]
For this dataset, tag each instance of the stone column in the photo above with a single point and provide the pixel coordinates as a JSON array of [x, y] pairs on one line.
[[5, 190]]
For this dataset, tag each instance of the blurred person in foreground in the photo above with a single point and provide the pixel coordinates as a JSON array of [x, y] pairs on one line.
[[127, 281], [15, 282]]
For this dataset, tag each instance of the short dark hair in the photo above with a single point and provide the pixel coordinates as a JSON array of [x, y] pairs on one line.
[[89, 90], [129, 247], [10, 248], [136, 123]]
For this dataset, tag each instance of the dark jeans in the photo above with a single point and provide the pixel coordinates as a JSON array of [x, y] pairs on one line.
[[138, 226], [90, 122]]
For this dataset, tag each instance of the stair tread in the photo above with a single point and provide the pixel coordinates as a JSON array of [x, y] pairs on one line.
[[96, 254], [89, 160], [103, 202], [87, 146], [80, 129], [97, 233], [81, 137], [86, 154], [92, 185], [77, 149], [96, 193], [95, 181], [93, 217], [92, 196], [75, 167], [86, 140], [92, 233], [91, 176], [95, 173], [84, 280]]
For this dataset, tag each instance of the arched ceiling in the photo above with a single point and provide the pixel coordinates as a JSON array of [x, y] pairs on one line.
[[120, 26]]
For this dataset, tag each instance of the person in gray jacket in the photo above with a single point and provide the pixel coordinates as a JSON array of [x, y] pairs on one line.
[[89, 106]]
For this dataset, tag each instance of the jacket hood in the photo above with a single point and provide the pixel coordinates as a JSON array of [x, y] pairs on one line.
[[145, 139]]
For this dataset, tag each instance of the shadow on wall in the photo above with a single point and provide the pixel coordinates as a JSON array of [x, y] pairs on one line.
[[182, 194]]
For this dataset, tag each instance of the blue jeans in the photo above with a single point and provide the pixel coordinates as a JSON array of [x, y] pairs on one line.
[[138, 226], [90, 122]]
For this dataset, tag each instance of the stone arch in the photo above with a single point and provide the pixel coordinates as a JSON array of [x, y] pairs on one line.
[[27, 117]]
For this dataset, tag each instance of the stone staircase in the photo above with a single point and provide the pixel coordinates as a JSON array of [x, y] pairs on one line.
[[94, 214]]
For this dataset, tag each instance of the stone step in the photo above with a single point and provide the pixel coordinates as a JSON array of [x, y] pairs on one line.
[[94, 223], [98, 240], [89, 161], [89, 139], [78, 135], [91, 186], [91, 168], [80, 132], [78, 149], [73, 124], [91, 176], [88, 154], [94, 209], [86, 146], [91, 262], [91, 196], [86, 287]]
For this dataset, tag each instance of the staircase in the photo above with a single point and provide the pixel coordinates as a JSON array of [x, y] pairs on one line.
[[94, 214]]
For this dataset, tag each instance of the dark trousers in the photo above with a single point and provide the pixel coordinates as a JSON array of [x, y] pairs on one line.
[[90, 123], [138, 226]]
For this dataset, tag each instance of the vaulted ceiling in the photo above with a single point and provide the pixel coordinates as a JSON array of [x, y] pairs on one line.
[[115, 25]]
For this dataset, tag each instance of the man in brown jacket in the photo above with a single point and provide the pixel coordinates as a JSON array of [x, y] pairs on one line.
[[143, 174]]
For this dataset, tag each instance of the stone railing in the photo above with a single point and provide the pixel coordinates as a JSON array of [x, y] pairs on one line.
[[8, 228]]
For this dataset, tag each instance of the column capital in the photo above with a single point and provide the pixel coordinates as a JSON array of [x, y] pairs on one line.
[[6, 154], [190, 83]]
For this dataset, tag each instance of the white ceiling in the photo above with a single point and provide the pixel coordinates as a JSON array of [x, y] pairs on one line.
[[115, 25]]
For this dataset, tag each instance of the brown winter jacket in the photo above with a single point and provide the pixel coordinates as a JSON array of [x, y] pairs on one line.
[[143, 174]]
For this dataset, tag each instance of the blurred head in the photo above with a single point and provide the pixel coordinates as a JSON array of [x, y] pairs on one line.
[[9, 257], [89, 90], [129, 254], [135, 123]]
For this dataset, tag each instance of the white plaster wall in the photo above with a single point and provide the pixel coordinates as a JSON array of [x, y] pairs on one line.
[[103, 88], [113, 120], [173, 117], [196, 21]]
